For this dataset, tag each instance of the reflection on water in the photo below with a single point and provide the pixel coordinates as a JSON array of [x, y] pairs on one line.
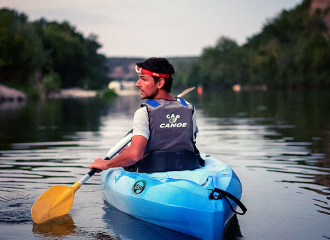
[[278, 143], [63, 227], [58, 227], [129, 227]]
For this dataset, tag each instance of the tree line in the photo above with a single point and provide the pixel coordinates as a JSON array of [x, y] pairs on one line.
[[44, 56], [291, 51]]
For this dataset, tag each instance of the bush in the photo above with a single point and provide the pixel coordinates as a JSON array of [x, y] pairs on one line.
[[51, 82], [108, 94]]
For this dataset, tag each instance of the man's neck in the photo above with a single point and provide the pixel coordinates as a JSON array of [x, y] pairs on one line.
[[164, 95]]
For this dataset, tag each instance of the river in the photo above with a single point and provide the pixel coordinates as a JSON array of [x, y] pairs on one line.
[[277, 142]]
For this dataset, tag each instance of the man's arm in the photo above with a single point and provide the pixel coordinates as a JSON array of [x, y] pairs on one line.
[[131, 155]]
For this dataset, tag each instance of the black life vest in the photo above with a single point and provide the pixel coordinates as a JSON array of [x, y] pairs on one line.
[[170, 146]]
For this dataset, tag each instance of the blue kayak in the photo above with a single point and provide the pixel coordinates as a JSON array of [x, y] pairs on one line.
[[196, 202]]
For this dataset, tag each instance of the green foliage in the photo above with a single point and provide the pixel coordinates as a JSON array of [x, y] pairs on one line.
[[292, 50], [220, 66], [21, 52], [66, 50], [96, 70], [183, 66], [49, 54], [109, 93], [51, 83]]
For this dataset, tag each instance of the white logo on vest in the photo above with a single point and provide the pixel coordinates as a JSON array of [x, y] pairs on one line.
[[172, 118], [172, 122]]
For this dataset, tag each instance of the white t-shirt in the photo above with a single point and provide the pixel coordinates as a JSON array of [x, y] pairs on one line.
[[141, 123]]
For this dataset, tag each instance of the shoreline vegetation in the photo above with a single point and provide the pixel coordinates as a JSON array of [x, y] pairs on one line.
[[291, 52], [53, 60], [40, 58], [8, 94], [11, 94]]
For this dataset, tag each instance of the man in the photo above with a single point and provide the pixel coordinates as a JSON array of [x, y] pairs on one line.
[[164, 127]]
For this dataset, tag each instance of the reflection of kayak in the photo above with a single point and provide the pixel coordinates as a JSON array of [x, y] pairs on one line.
[[184, 201]]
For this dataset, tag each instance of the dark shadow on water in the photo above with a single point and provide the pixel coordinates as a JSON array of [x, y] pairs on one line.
[[132, 228], [128, 227], [233, 231]]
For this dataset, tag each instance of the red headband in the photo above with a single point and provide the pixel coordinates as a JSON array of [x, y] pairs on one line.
[[144, 71]]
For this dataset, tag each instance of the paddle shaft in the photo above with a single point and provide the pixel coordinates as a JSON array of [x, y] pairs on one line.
[[112, 152]]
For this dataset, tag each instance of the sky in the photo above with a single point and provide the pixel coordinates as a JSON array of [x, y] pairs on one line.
[[157, 28]]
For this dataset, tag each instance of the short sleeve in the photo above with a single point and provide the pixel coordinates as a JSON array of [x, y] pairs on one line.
[[141, 123]]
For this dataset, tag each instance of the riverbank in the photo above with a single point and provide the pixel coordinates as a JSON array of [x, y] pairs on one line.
[[11, 94], [74, 93], [124, 88], [8, 94]]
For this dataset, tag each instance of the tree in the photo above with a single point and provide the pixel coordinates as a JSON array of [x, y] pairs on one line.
[[67, 52], [48, 54], [292, 50], [96, 71], [21, 51], [222, 65]]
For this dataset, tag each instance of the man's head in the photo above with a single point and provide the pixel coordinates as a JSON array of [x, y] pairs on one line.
[[158, 68]]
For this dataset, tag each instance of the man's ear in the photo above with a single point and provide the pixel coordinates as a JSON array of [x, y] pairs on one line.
[[160, 83]]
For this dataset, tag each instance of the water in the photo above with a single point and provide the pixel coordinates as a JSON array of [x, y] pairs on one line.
[[278, 143]]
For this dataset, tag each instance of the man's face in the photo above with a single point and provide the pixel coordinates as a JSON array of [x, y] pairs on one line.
[[147, 86]]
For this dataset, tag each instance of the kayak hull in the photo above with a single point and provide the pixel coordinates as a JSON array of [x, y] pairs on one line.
[[176, 200]]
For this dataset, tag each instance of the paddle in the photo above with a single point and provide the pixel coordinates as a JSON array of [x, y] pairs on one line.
[[58, 200], [186, 91]]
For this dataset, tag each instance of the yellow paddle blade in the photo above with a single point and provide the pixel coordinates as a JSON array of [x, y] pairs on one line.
[[55, 202]]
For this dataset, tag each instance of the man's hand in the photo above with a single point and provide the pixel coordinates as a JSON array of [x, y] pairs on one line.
[[100, 164], [127, 156]]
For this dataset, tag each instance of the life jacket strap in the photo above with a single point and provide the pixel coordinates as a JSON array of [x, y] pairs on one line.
[[154, 103]]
